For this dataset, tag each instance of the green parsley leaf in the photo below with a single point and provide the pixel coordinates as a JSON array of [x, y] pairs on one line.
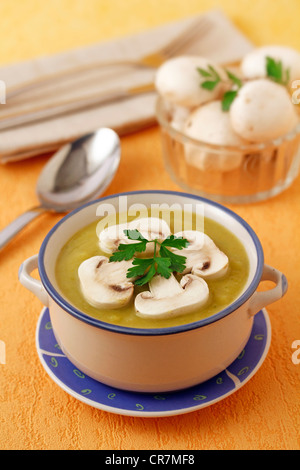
[[209, 85], [175, 242], [228, 99], [147, 277], [276, 72], [126, 252], [120, 256], [163, 263], [210, 73], [237, 81], [140, 266], [215, 79], [134, 235], [214, 72], [177, 261], [163, 267], [203, 72], [274, 69]]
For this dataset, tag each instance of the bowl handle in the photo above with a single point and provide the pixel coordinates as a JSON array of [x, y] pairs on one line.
[[35, 286], [260, 300]]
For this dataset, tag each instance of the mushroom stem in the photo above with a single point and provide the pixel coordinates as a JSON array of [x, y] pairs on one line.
[[168, 298]]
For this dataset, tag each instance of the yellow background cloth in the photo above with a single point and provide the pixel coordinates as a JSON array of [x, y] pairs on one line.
[[34, 412]]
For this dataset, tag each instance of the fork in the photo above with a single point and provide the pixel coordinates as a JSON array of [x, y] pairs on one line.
[[153, 60], [61, 108]]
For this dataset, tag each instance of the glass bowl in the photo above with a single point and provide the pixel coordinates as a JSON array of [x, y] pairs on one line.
[[252, 173]]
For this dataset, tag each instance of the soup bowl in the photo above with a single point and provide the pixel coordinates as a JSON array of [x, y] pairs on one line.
[[152, 359]]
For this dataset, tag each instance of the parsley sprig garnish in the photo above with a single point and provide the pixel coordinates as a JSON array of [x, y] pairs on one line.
[[213, 79], [163, 261], [230, 95], [276, 72]]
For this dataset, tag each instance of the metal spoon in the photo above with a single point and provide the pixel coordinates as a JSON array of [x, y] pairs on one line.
[[79, 172]]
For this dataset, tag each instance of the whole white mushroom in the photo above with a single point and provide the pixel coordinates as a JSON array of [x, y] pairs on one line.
[[179, 81], [210, 124], [254, 64], [262, 111]]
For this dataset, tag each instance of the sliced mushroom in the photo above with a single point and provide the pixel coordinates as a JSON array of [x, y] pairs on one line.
[[203, 257], [104, 284], [150, 227], [210, 124], [263, 111], [168, 298], [111, 237], [178, 81]]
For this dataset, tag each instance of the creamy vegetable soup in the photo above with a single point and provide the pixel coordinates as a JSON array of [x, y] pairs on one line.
[[202, 292]]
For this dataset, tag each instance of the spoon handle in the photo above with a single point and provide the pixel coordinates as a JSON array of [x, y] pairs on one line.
[[18, 224]]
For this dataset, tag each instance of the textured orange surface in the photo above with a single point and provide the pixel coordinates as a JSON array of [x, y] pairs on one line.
[[34, 412]]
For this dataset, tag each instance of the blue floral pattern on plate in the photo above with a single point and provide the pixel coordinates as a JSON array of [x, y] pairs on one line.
[[110, 399]]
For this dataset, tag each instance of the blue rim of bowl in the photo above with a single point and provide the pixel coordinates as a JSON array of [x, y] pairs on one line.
[[67, 307]]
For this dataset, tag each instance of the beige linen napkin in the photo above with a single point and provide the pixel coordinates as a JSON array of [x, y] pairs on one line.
[[221, 42]]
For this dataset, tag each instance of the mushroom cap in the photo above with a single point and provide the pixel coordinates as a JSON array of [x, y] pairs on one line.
[[254, 64], [262, 111], [168, 298], [149, 227], [209, 123], [203, 257], [112, 236], [178, 81], [104, 284]]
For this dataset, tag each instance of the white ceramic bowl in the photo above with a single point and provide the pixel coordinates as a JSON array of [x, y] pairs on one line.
[[151, 360]]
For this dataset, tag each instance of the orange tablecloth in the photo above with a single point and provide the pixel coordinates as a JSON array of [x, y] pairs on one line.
[[34, 412]]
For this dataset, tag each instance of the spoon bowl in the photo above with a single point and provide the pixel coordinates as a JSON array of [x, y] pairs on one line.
[[76, 174]]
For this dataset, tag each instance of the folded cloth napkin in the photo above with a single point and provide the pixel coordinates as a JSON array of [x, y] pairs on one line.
[[221, 42]]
